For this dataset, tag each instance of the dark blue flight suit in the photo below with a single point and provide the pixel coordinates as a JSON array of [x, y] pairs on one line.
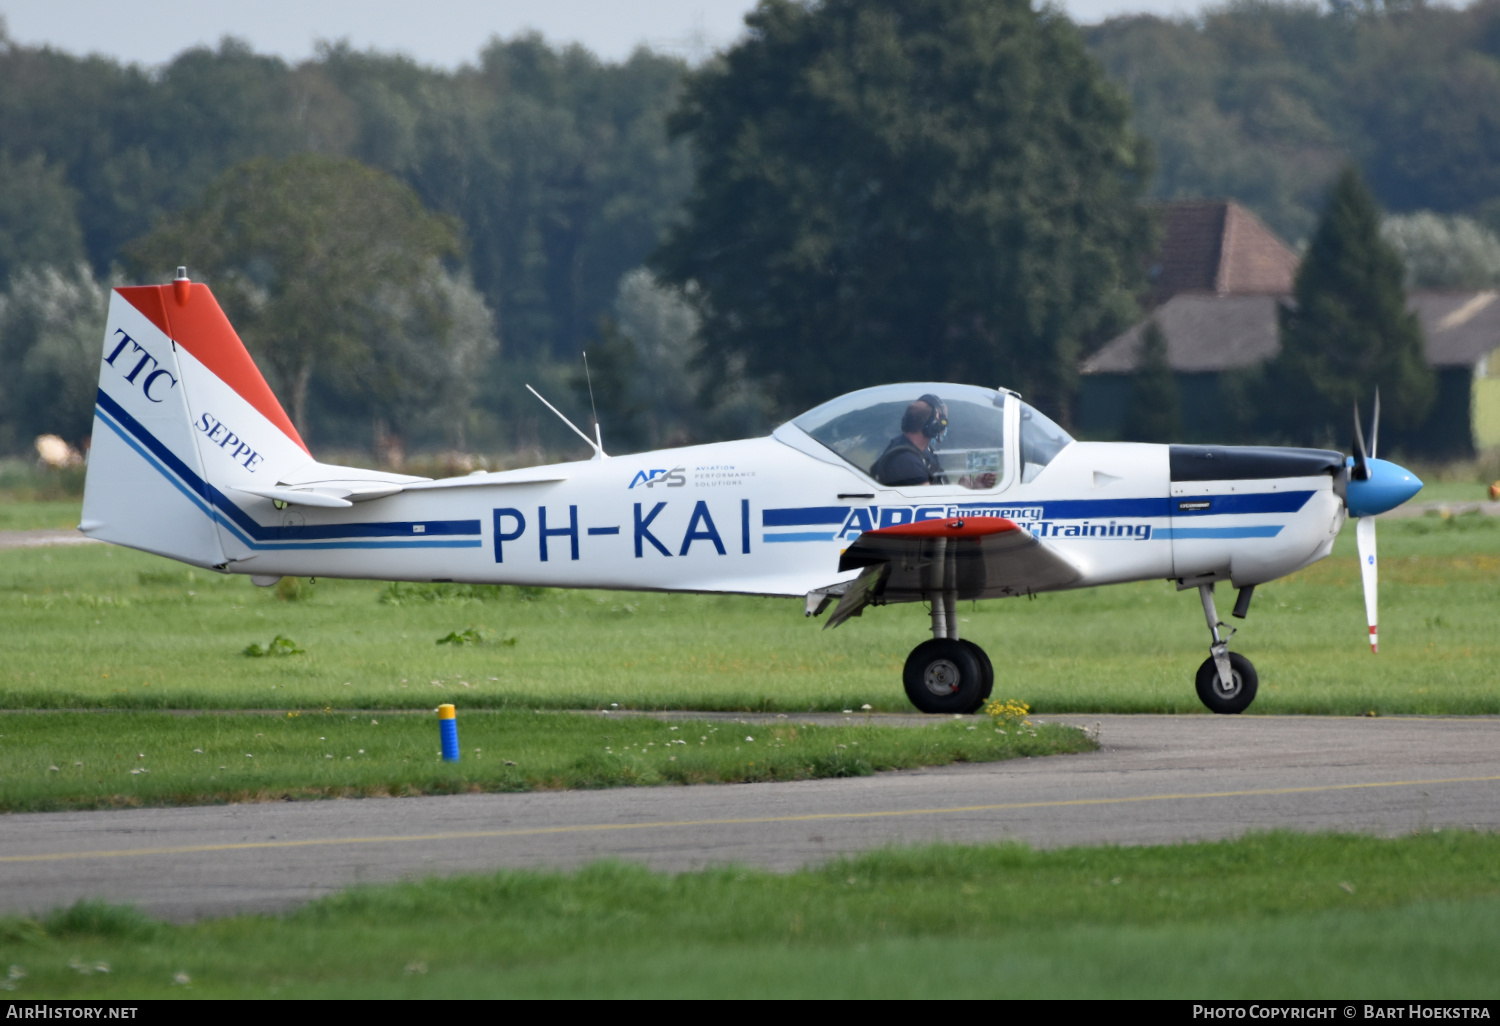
[[903, 463]]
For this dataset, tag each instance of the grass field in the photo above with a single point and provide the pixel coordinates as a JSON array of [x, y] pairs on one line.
[[101, 760], [1279, 915], [90, 629], [29, 516], [96, 626]]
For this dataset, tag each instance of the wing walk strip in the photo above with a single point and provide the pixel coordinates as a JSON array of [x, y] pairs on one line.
[[739, 821]]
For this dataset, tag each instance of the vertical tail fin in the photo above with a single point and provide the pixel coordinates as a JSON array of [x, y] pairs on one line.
[[181, 412]]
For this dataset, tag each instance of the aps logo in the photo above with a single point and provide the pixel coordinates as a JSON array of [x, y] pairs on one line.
[[674, 478]]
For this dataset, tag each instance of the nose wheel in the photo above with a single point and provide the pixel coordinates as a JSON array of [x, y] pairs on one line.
[[1226, 681], [1234, 697]]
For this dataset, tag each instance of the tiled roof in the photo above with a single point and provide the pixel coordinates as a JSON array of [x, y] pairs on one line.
[[1204, 333], [1462, 328], [1218, 246], [1207, 333]]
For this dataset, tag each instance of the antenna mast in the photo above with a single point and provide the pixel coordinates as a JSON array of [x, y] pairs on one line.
[[598, 438], [599, 452]]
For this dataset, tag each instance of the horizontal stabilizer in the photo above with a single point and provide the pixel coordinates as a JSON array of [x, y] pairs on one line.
[[332, 487], [486, 478], [300, 497], [315, 474]]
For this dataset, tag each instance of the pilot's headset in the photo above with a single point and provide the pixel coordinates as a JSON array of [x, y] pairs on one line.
[[937, 424]]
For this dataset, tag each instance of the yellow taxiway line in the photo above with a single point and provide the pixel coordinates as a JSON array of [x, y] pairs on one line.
[[747, 820]]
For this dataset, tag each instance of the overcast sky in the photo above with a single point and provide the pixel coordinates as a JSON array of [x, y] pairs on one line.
[[441, 32]]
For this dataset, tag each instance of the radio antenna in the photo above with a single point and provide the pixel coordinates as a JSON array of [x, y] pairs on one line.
[[599, 453], [599, 438]]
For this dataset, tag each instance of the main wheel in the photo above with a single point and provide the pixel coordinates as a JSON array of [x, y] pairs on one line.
[[987, 669], [944, 676], [1234, 699]]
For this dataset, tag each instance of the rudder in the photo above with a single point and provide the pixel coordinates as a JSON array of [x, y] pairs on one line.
[[181, 412]]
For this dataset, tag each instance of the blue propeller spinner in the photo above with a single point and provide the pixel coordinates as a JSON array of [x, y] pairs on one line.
[[1388, 486]]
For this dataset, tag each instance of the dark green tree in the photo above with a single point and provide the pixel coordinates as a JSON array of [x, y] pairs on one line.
[[557, 164], [1154, 412], [51, 327], [606, 388], [1266, 101], [38, 218], [893, 189], [324, 265], [1349, 330]]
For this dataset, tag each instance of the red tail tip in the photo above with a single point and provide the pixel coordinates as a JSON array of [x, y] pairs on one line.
[[182, 287]]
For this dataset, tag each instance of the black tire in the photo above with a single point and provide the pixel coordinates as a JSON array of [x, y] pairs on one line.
[[987, 672], [1212, 692], [943, 676]]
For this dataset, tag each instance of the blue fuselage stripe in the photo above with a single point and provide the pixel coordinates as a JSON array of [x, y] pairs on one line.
[[214, 504], [150, 458], [457, 543], [1078, 509], [805, 516], [1192, 533], [1252, 502]]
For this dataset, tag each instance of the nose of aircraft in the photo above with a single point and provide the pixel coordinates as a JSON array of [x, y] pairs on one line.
[[1387, 487]]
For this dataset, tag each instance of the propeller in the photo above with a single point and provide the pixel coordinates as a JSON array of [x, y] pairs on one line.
[[1364, 537], [1364, 526]]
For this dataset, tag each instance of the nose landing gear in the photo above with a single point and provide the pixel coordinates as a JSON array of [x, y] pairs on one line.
[[946, 674], [1226, 681]]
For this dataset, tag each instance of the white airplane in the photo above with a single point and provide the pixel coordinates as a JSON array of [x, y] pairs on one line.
[[193, 458]]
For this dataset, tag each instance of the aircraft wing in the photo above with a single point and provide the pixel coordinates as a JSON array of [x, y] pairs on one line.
[[991, 558]]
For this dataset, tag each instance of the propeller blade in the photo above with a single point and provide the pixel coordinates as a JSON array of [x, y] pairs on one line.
[[1361, 466], [1375, 425], [1364, 536]]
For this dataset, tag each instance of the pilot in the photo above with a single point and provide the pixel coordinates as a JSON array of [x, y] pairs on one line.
[[909, 459]]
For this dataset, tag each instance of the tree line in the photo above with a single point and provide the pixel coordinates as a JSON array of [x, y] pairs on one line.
[[1267, 102], [553, 168], [859, 191]]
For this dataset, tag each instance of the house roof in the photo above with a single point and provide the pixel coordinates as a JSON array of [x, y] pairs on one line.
[[1462, 328], [1206, 333], [1218, 246]]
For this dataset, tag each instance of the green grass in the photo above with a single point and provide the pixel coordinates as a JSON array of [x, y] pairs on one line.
[[29, 516], [97, 626], [1454, 491], [23, 481], [99, 760], [1269, 916]]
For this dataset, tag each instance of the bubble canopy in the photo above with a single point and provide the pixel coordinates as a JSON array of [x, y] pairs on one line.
[[858, 426]]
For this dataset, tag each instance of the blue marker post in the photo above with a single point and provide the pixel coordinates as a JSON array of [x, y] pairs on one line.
[[448, 731]]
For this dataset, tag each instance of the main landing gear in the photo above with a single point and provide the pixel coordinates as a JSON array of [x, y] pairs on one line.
[[946, 674], [1227, 680]]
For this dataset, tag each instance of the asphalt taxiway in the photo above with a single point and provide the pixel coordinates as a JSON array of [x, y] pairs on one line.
[[1156, 779]]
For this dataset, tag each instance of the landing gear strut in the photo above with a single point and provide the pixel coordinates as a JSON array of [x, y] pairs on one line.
[[946, 674], [1226, 681]]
